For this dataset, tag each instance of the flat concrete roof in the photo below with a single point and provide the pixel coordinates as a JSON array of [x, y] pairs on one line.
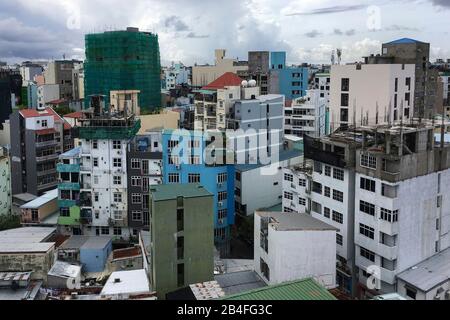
[[25, 235], [86, 242], [282, 221], [429, 273], [130, 282], [172, 191]]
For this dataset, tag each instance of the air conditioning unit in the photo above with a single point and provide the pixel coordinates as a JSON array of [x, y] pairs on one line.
[[220, 184], [220, 204], [119, 152], [178, 167]]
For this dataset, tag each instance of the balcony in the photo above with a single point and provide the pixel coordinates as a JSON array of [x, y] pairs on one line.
[[46, 185], [85, 216], [85, 186], [68, 167], [108, 131], [85, 200], [67, 203], [40, 144], [118, 222], [66, 185], [45, 172], [46, 158], [390, 228], [379, 248], [72, 220]]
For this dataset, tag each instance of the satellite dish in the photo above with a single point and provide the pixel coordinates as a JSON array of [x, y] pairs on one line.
[[244, 83], [252, 83]]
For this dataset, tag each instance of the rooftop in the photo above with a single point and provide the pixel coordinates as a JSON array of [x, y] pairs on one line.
[[284, 155], [237, 282], [25, 235], [74, 115], [126, 253], [282, 221], [228, 79], [404, 41], [64, 269], [429, 273], [126, 282], [26, 197], [86, 242], [72, 153], [40, 201], [172, 191], [305, 289]]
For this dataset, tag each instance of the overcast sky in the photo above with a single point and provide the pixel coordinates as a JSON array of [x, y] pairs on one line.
[[189, 31]]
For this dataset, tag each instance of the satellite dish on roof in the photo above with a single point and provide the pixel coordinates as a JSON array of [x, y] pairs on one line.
[[252, 83], [244, 83]]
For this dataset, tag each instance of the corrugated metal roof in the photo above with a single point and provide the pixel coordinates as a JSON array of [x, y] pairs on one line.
[[305, 289], [404, 41], [172, 191], [38, 202]]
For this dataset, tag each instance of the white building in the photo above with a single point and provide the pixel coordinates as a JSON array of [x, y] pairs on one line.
[[124, 285], [47, 93], [64, 275], [176, 74], [204, 74], [445, 78], [307, 115], [104, 139], [402, 203], [323, 186], [371, 94], [5, 183], [294, 246], [257, 187]]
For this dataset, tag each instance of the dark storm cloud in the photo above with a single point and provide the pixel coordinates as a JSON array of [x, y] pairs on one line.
[[339, 32], [441, 3], [313, 34], [328, 10], [176, 23]]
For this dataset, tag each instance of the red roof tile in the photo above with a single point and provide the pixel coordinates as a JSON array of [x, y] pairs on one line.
[[228, 79], [126, 253], [67, 126], [29, 113]]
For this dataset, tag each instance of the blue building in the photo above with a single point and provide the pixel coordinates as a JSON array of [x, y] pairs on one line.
[[95, 252], [291, 81], [188, 166]]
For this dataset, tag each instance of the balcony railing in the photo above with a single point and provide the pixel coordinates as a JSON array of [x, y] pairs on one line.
[[47, 185], [61, 167], [40, 144], [46, 158]]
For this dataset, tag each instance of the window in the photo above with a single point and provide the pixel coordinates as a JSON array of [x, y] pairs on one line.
[[174, 178], [172, 143], [338, 196], [180, 275], [222, 196], [135, 163], [136, 215], [221, 178], [368, 161], [345, 84], [328, 171], [327, 192], [193, 177], [338, 217], [95, 162], [388, 215], [317, 187], [64, 212], [117, 162], [288, 195], [338, 174], [238, 176], [411, 293], [316, 207], [117, 231], [344, 99], [286, 209], [339, 239], [344, 115], [302, 182], [117, 180], [145, 166], [94, 144], [174, 160], [302, 201], [180, 219], [288, 177], [367, 208], [194, 143], [95, 179], [222, 214], [136, 198], [104, 230], [194, 159], [326, 212], [366, 231], [44, 123], [264, 269], [116, 144], [369, 255], [367, 184], [219, 233], [317, 167], [136, 181], [117, 197]]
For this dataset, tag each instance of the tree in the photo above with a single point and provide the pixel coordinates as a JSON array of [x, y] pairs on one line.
[[9, 221]]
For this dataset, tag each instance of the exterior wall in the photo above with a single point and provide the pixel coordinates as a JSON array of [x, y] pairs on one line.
[[64, 282], [259, 190], [294, 255], [5, 134], [60, 73], [371, 85], [94, 260], [5, 184], [282, 82], [208, 178], [47, 93], [40, 263], [416, 230], [198, 243], [43, 212], [422, 295], [164, 120], [32, 94], [203, 75]]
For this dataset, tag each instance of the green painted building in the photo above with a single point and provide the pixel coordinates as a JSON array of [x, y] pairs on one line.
[[69, 190], [124, 60], [305, 289], [182, 236]]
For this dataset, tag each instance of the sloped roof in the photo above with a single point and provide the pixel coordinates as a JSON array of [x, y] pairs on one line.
[[75, 115], [404, 41], [305, 289], [228, 79]]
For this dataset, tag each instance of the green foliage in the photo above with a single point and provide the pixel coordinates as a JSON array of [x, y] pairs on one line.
[[9, 222], [63, 110]]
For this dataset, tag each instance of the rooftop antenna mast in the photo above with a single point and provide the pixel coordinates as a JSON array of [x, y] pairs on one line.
[[339, 55]]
